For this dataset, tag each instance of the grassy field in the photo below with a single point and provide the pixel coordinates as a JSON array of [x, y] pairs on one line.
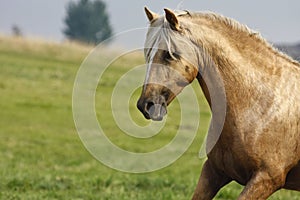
[[41, 155]]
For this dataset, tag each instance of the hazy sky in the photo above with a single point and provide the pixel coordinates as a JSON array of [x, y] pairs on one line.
[[278, 21]]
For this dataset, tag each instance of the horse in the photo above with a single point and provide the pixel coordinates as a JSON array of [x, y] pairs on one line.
[[259, 141]]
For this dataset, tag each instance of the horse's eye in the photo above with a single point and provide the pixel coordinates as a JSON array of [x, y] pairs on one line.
[[176, 55], [170, 56], [167, 56]]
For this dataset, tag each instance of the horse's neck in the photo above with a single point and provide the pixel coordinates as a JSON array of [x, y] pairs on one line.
[[245, 65]]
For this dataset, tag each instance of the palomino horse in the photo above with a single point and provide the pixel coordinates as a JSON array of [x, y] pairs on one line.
[[259, 144]]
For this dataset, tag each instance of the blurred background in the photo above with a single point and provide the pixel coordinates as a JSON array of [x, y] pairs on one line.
[[278, 21]]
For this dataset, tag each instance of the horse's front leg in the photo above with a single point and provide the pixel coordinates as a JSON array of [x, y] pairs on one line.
[[262, 185], [210, 182]]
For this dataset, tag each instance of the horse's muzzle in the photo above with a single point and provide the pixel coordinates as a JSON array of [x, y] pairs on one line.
[[154, 108]]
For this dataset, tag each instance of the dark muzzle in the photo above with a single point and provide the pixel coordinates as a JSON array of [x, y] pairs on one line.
[[154, 108]]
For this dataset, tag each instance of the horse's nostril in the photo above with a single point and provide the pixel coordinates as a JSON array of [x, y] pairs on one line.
[[149, 105]]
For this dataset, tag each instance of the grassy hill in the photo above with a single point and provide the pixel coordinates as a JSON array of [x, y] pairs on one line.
[[41, 155]]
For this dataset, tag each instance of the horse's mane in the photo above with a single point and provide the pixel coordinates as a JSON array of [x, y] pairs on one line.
[[238, 27], [162, 30]]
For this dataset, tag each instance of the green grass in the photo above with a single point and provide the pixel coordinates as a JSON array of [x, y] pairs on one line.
[[41, 155]]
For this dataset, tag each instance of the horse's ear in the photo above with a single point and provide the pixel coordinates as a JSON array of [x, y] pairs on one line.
[[172, 19], [150, 15]]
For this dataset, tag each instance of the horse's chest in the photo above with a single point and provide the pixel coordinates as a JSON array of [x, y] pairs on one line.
[[233, 159]]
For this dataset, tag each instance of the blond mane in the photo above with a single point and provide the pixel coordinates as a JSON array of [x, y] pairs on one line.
[[161, 32], [238, 27]]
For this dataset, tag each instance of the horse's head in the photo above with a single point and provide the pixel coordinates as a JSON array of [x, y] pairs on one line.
[[169, 67]]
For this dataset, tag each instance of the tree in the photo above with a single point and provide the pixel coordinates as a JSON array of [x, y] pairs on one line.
[[87, 21], [16, 31]]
